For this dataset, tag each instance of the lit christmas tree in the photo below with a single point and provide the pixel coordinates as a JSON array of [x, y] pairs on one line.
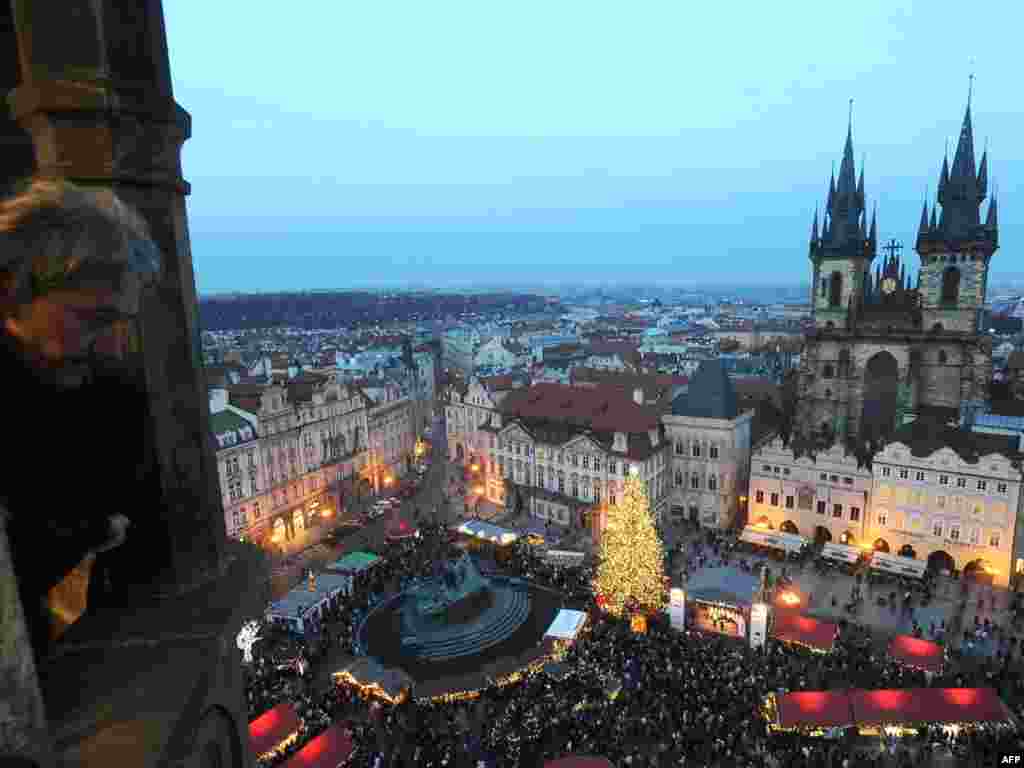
[[630, 569]]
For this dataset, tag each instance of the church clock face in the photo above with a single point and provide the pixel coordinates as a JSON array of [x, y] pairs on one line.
[[889, 285]]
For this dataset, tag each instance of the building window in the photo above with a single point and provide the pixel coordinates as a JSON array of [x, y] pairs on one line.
[[679, 479], [694, 481], [759, 497], [586, 462], [789, 502], [696, 451], [961, 482], [886, 471], [937, 529], [1001, 487], [904, 474], [775, 499], [837, 510], [954, 532], [883, 518], [256, 510], [848, 480], [974, 536], [766, 468], [823, 477], [713, 452], [854, 514], [679, 448], [611, 499], [712, 483], [785, 470], [834, 478], [821, 507], [993, 539], [943, 479], [920, 477], [775, 470], [982, 485]]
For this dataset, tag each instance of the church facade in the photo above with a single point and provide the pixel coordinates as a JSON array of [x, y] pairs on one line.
[[887, 370]]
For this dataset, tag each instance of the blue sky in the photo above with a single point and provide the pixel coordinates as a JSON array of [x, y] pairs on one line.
[[349, 144]]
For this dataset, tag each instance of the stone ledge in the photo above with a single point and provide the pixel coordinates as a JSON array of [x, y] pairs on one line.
[[131, 686]]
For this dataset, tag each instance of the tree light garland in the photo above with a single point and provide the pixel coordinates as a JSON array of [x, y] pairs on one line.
[[631, 555]]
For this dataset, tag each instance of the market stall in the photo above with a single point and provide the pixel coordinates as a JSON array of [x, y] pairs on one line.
[[373, 680], [811, 633], [790, 543], [478, 529], [307, 602], [919, 706], [353, 564], [808, 711], [841, 553], [273, 731], [918, 653], [399, 529], [331, 749], [897, 565], [564, 557], [719, 600]]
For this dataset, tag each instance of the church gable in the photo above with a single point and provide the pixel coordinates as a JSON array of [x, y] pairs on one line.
[[584, 444], [515, 432]]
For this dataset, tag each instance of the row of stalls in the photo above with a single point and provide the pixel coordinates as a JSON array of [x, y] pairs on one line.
[[307, 602], [273, 732], [794, 545], [897, 712]]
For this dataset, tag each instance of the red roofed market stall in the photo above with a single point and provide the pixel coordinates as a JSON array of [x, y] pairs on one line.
[[330, 749], [917, 653], [273, 730], [816, 711], [803, 630], [813, 709], [928, 705]]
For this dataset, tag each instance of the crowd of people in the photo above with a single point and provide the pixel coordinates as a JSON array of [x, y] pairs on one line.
[[664, 698]]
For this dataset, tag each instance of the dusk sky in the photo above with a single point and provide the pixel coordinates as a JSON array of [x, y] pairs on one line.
[[345, 144]]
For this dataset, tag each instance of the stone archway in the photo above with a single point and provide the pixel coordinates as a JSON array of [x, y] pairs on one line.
[[881, 396], [789, 527], [822, 535], [880, 545], [907, 551], [940, 560]]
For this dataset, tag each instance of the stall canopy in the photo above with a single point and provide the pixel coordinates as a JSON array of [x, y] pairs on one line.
[[803, 630], [841, 553], [374, 679], [723, 585], [897, 565], [400, 528], [837, 709], [928, 705], [268, 731], [788, 542], [915, 652], [354, 562], [564, 557], [567, 625], [814, 709], [481, 530], [298, 602], [331, 749]]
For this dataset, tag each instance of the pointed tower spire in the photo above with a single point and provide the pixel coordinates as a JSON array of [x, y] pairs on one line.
[[964, 168], [944, 175], [831, 191], [992, 218], [983, 173], [922, 228], [814, 226], [860, 182], [933, 225], [873, 237], [847, 180]]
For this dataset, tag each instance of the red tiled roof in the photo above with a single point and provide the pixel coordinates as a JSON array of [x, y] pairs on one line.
[[272, 727], [825, 709], [330, 749], [928, 705], [599, 408]]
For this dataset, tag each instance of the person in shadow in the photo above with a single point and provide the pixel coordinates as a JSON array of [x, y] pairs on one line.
[[73, 268]]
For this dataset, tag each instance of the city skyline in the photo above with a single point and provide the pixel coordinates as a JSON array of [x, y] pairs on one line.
[[569, 162]]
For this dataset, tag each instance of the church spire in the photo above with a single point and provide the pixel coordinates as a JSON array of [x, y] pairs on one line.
[[814, 226], [873, 237], [922, 228], [983, 173]]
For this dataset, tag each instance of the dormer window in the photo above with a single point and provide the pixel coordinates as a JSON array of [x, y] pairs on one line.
[[620, 442], [653, 434]]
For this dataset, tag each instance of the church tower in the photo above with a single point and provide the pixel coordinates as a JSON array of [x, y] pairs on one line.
[[841, 254], [955, 247]]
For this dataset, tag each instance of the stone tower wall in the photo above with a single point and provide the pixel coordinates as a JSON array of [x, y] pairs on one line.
[[963, 317]]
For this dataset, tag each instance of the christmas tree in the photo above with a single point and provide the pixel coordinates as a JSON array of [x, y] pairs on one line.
[[630, 569]]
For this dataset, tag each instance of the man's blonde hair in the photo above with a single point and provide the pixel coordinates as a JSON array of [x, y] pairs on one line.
[[56, 235]]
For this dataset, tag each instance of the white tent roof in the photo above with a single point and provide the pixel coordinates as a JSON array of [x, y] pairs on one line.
[[901, 566], [841, 552], [567, 625], [482, 530], [788, 542], [300, 600]]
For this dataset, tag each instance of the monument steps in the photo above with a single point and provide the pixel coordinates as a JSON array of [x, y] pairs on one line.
[[508, 614]]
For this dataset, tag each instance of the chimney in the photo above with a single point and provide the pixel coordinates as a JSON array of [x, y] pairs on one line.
[[638, 396]]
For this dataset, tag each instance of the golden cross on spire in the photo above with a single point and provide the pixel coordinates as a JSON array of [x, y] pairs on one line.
[[970, 87]]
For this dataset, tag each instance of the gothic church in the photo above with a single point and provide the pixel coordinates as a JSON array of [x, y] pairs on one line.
[[885, 348]]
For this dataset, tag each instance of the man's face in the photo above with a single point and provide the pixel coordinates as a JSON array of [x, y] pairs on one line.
[[65, 330]]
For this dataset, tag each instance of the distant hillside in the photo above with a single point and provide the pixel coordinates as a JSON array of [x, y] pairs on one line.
[[343, 309]]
